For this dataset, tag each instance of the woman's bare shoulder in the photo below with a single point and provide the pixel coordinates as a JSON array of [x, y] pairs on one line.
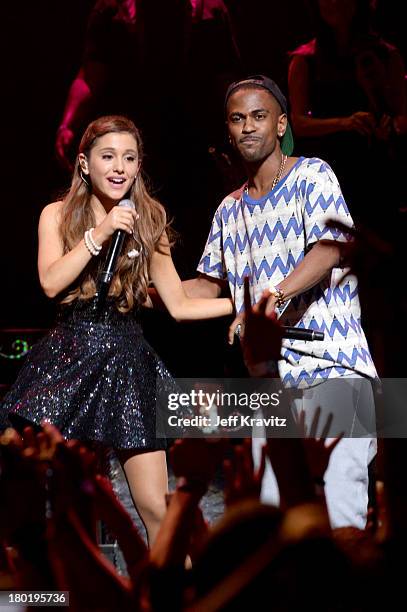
[[53, 207], [51, 213]]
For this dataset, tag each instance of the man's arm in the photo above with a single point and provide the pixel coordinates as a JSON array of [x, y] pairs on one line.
[[203, 286], [315, 266], [323, 200]]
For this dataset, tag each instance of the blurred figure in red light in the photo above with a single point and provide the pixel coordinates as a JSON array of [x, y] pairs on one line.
[[153, 60], [348, 105]]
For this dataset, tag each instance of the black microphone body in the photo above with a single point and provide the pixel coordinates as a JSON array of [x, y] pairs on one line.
[[109, 267], [113, 253], [300, 333]]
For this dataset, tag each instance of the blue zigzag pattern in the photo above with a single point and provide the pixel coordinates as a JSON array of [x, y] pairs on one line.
[[342, 357], [324, 203], [264, 267], [214, 235], [363, 354], [256, 236], [232, 211], [290, 381], [326, 294], [273, 199], [306, 189], [337, 293], [290, 353], [208, 269], [316, 160], [336, 326], [285, 194], [318, 233]]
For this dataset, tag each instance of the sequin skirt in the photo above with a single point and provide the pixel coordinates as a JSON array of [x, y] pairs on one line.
[[93, 376]]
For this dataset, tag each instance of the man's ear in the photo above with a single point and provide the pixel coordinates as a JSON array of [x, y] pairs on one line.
[[282, 125], [83, 162]]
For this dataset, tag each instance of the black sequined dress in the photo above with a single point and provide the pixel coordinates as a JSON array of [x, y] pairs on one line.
[[95, 377]]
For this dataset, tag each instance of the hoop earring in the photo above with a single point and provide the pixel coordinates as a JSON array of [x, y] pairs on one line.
[[83, 178]]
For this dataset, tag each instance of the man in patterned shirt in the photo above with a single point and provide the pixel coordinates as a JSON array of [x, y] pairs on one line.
[[270, 230]]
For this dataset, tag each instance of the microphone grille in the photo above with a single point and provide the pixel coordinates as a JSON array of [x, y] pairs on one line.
[[127, 203]]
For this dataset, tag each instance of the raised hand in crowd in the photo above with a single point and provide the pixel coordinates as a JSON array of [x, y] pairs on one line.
[[53, 537], [242, 480], [260, 332], [318, 449], [121, 526], [262, 344], [19, 473], [194, 462], [78, 497], [22, 523], [71, 489]]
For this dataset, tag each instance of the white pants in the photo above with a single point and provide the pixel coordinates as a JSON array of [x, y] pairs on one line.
[[346, 479]]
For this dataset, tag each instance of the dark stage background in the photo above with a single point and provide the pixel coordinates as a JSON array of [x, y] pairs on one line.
[[42, 46]]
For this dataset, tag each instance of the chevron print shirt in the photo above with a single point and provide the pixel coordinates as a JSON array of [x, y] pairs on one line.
[[265, 239]]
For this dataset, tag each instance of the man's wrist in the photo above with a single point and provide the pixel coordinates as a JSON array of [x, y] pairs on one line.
[[278, 294]]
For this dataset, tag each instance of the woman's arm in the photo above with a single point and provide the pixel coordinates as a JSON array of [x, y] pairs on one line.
[[58, 271], [203, 286], [304, 124], [171, 291]]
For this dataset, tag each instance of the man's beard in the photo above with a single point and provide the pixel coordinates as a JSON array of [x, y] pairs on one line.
[[252, 156]]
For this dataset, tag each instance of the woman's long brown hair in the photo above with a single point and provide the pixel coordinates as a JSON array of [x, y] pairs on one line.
[[130, 282]]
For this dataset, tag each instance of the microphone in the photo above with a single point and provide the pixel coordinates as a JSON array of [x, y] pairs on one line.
[[300, 333], [294, 333], [116, 245]]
